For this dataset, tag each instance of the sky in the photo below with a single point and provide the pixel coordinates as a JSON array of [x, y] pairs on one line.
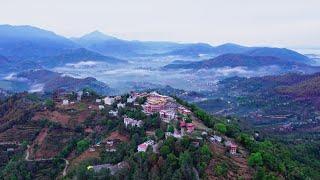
[[282, 23]]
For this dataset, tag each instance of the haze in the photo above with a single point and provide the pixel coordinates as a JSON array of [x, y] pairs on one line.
[[289, 23]]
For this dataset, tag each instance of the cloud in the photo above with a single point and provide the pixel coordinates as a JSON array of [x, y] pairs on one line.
[[36, 88]]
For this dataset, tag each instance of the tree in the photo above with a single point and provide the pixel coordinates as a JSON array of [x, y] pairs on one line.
[[221, 128], [82, 145], [170, 128], [165, 150], [172, 160], [159, 133], [255, 159], [49, 103], [185, 159]]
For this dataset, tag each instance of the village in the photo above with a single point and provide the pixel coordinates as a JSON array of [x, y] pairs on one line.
[[179, 119], [105, 123]]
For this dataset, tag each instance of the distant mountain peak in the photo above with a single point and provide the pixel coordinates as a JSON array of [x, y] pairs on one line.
[[97, 36]]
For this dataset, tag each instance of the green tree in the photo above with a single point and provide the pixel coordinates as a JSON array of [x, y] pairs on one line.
[[255, 159], [222, 128], [82, 145], [170, 128], [159, 133], [165, 150], [49, 103]]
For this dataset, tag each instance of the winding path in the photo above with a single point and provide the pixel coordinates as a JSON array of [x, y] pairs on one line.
[[27, 158]]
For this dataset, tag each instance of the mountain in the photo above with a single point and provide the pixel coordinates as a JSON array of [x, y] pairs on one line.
[[3, 60], [234, 60], [281, 53], [200, 49], [77, 55], [93, 38], [48, 81], [111, 46], [29, 42]]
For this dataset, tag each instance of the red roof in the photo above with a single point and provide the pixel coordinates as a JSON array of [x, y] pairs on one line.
[[233, 145], [190, 125], [182, 124], [143, 145]]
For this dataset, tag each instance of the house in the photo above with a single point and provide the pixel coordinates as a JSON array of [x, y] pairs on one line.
[[121, 105], [167, 115], [98, 100], [113, 113], [182, 124], [79, 95], [183, 110], [132, 122], [101, 107], [117, 98], [216, 138], [232, 147], [65, 102], [190, 127], [144, 146], [131, 99], [109, 100], [176, 134]]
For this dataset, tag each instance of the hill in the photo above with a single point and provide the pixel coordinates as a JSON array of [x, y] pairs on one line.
[[281, 53], [48, 81], [251, 62], [78, 55], [48, 138]]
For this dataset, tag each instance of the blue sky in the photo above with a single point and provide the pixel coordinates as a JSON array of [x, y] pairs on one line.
[[287, 23]]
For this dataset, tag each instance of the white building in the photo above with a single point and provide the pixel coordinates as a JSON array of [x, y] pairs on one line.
[[121, 105], [98, 100], [113, 113], [65, 102], [101, 107], [167, 115], [216, 138], [132, 122], [108, 100], [131, 99], [79, 95]]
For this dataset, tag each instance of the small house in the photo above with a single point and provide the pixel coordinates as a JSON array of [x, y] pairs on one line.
[[121, 105], [113, 113], [144, 146], [190, 127], [109, 100], [101, 107], [65, 102]]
